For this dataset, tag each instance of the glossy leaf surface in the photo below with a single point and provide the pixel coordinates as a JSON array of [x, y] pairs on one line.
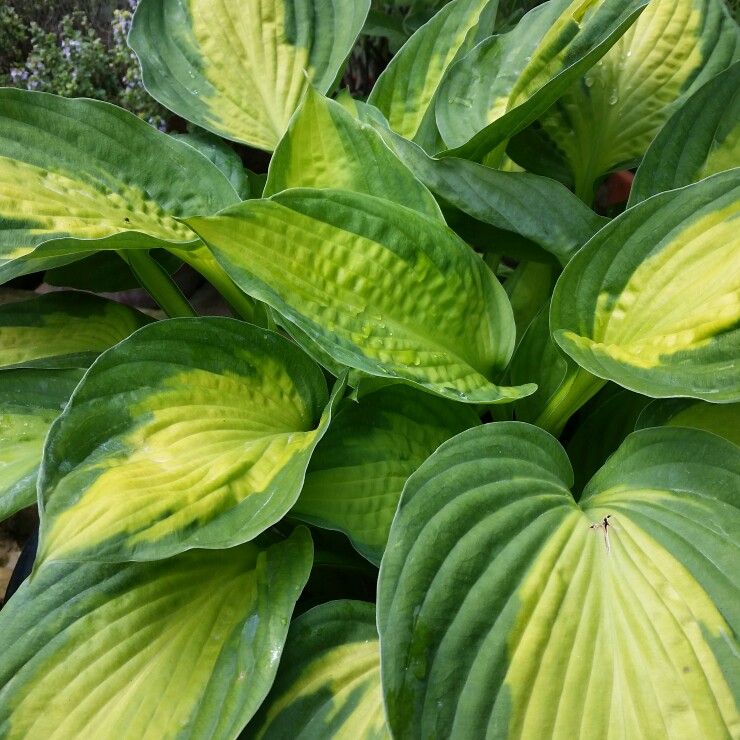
[[359, 468], [59, 330], [378, 287], [608, 118], [652, 302], [81, 175], [30, 400], [192, 433], [700, 139], [239, 69], [328, 683], [182, 647], [502, 612]]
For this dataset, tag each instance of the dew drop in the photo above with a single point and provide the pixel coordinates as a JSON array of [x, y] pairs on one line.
[[589, 81], [614, 97]]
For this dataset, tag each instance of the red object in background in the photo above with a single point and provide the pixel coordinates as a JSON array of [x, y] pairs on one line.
[[618, 186]]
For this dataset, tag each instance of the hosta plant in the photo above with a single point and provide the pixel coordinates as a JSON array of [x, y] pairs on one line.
[[463, 462]]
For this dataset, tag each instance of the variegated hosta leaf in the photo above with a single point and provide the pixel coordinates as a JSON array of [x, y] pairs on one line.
[[240, 67], [536, 208], [357, 471], [59, 330], [182, 647], [406, 91], [30, 400], [721, 419], [191, 433], [608, 118], [504, 612], [328, 682], [508, 81], [326, 147], [377, 286], [85, 175], [700, 139], [652, 302]]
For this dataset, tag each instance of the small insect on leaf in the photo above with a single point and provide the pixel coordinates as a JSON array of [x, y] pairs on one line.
[[604, 525]]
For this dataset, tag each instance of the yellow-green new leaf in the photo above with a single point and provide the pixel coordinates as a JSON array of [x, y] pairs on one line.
[[328, 682], [240, 68], [356, 474], [182, 647], [507, 610], [652, 302], [30, 400], [80, 175], [326, 147], [700, 139], [508, 81], [608, 118], [379, 287], [406, 91], [191, 433], [59, 330]]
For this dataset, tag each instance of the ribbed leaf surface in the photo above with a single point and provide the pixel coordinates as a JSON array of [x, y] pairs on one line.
[[504, 612], [239, 68], [185, 647], [192, 433]]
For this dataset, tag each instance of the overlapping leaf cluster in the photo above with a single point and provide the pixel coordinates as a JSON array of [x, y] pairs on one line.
[[425, 300]]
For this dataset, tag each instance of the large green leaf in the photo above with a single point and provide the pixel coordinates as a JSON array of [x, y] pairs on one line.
[[358, 470], [82, 175], [652, 303], [59, 330], [406, 91], [722, 419], [508, 81], [536, 208], [30, 400], [326, 147], [328, 682], [183, 647], [607, 119], [239, 68], [377, 286], [191, 433], [504, 612], [700, 139]]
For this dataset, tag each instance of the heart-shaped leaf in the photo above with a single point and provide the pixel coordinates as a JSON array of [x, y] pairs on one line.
[[182, 647], [239, 68], [326, 147], [651, 302], [377, 286], [80, 175], [357, 471], [607, 119], [508, 81], [406, 91], [59, 330], [191, 433], [700, 139], [328, 682], [30, 400], [507, 610]]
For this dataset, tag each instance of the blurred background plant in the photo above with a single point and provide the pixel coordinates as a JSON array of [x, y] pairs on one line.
[[75, 48]]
